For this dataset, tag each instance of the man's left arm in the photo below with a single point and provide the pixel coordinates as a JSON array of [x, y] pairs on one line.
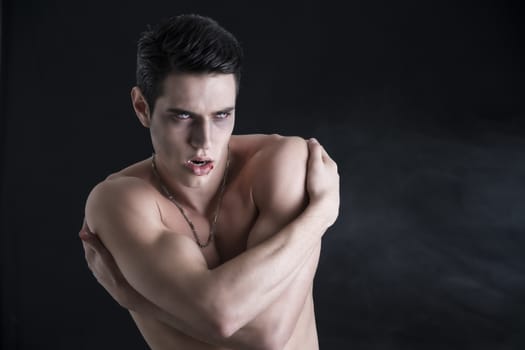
[[280, 194]]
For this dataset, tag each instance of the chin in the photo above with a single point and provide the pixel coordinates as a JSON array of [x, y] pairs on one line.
[[194, 181]]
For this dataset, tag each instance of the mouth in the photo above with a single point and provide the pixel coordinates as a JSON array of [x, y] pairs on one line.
[[200, 166], [199, 162]]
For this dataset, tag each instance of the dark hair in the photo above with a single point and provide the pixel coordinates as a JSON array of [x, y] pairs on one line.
[[184, 43]]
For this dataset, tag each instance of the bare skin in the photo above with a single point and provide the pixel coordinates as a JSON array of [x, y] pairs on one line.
[[252, 287]]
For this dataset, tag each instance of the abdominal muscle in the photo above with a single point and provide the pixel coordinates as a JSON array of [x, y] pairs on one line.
[[160, 336]]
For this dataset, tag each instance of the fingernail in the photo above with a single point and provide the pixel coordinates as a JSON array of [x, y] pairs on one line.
[[312, 139]]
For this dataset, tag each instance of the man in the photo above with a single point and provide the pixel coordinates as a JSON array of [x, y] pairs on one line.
[[213, 242]]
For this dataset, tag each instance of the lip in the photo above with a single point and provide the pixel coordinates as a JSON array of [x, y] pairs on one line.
[[201, 159], [200, 170]]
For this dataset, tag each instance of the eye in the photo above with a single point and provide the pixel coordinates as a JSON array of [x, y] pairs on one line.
[[222, 115], [181, 116]]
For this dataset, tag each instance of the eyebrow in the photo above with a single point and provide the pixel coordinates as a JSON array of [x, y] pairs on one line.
[[183, 111]]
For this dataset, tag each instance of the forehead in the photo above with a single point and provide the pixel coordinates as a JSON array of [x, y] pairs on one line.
[[198, 92]]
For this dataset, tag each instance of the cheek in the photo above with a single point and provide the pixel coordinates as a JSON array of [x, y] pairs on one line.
[[167, 139], [222, 133], [225, 128]]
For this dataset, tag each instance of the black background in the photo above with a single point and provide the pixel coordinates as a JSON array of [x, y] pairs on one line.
[[420, 102]]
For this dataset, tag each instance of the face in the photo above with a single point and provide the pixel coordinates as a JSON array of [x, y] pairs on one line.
[[191, 125]]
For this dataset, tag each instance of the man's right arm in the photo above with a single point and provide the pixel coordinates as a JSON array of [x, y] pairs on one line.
[[201, 300]]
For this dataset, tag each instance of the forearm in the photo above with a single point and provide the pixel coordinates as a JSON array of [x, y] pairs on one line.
[[249, 283], [266, 329], [274, 326]]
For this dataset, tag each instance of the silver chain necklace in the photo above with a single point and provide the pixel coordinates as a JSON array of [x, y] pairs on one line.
[[190, 223]]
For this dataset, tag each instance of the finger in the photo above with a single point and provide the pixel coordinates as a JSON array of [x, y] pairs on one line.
[[326, 157], [85, 233], [86, 236], [89, 255], [94, 243], [95, 259], [86, 226], [329, 160], [83, 230], [314, 152], [98, 248]]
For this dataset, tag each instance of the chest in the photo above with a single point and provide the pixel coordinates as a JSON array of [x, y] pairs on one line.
[[235, 219]]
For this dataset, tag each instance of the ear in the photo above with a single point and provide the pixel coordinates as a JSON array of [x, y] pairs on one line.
[[140, 106]]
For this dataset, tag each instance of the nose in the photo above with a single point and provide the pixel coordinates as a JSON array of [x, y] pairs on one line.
[[200, 137]]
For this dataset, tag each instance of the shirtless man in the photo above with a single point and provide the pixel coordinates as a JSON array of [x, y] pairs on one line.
[[213, 242]]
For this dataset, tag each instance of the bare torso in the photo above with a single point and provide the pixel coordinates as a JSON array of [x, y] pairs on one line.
[[237, 216]]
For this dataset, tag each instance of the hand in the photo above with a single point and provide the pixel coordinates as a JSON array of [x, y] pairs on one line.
[[322, 182], [104, 268]]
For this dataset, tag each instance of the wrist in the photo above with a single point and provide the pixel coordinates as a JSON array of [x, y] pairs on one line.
[[317, 216], [324, 210], [133, 301]]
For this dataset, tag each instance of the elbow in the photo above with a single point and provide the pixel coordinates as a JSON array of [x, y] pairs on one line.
[[222, 322], [214, 308], [267, 336], [226, 318], [223, 328]]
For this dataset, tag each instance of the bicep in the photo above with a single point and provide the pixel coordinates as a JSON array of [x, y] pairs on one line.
[[161, 265], [279, 191]]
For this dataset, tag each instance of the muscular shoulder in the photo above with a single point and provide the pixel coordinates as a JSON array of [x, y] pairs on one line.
[[262, 150], [279, 157], [256, 143], [120, 199], [280, 171]]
